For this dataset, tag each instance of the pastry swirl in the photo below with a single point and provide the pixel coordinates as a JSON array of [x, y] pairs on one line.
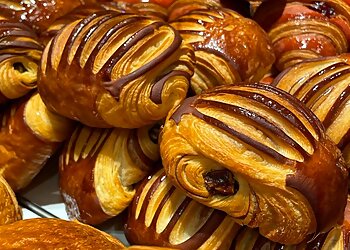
[[228, 47], [9, 209], [258, 154], [305, 29], [161, 215], [20, 52], [113, 69], [323, 85], [99, 167], [29, 136]]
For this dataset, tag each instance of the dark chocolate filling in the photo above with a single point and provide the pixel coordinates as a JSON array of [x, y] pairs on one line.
[[221, 182]]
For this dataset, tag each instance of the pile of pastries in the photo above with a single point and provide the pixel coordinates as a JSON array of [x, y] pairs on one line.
[[214, 124]]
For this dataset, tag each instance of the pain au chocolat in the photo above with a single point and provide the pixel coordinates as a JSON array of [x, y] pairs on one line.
[[20, 52], [9, 209], [228, 47], [55, 234], [324, 86], [114, 69], [260, 155], [162, 215], [305, 29], [99, 167], [29, 136]]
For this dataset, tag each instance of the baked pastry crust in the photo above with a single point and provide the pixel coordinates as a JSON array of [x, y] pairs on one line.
[[258, 154], [98, 168], [20, 52], [128, 78], [323, 85], [9, 209], [228, 47], [29, 136], [161, 215], [55, 234]]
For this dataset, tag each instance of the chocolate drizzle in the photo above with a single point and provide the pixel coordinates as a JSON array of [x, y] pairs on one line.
[[115, 87]]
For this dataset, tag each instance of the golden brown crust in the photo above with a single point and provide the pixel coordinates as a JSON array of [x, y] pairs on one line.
[[99, 167], [9, 209], [149, 248], [29, 135], [228, 47], [183, 7], [302, 30], [20, 52], [118, 78], [38, 14], [54, 234], [258, 154], [161, 215]]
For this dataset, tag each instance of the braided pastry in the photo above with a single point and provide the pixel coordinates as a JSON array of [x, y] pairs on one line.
[[324, 86], [9, 209], [113, 69], [29, 136], [228, 47], [258, 154], [161, 215], [305, 29], [20, 53], [98, 168], [55, 234], [38, 14]]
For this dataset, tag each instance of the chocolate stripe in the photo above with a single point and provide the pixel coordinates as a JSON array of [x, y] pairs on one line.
[[257, 120], [337, 107], [19, 44], [7, 24], [242, 137], [114, 87], [17, 33], [157, 88]]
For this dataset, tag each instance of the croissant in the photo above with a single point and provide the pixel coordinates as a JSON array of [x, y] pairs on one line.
[[55, 234], [228, 47], [98, 168], [20, 53], [258, 154], [113, 69], [307, 29], [9, 209], [323, 85], [147, 9], [38, 14], [29, 135], [161, 215]]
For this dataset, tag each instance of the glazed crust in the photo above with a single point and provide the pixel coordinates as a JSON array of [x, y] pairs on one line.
[[228, 47], [20, 52], [98, 168], [161, 215], [55, 234], [302, 30], [9, 209], [29, 135], [323, 85], [258, 154], [118, 78]]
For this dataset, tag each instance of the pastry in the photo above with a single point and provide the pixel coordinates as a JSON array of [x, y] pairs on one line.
[[183, 7], [9, 209], [323, 85], [113, 69], [161, 215], [149, 248], [99, 167], [258, 154], [148, 9], [164, 3], [29, 136], [55, 234], [228, 47], [20, 52], [306, 29], [38, 14]]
